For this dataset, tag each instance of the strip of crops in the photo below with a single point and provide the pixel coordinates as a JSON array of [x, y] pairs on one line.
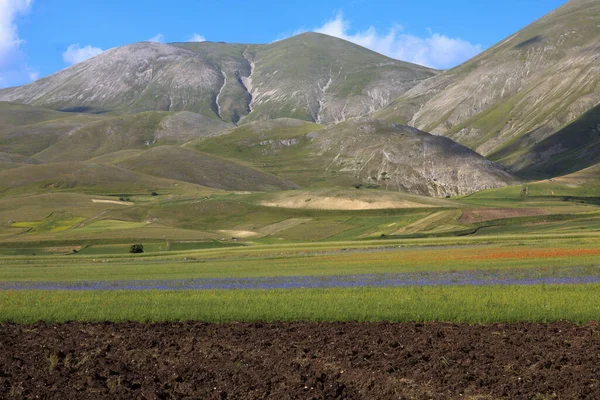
[[471, 304]]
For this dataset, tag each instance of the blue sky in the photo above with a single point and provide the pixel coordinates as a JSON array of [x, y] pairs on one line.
[[40, 37]]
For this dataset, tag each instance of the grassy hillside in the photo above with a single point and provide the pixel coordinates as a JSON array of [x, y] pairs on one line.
[[13, 114], [581, 186], [203, 169], [85, 178], [277, 147], [360, 152], [105, 136], [572, 148], [17, 158], [27, 130], [518, 94]]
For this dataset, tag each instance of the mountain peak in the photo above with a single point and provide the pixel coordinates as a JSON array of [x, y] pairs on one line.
[[311, 76], [518, 93]]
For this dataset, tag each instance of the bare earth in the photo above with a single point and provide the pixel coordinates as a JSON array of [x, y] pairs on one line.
[[299, 361], [334, 203], [123, 203]]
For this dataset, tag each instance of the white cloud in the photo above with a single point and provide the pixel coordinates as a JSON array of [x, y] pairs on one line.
[[197, 38], [13, 65], [76, 54], [9, 35], [159, 38], [435, 50], [34, 75]]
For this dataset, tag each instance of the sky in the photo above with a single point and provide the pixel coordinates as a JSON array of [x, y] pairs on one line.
[[41, 37]]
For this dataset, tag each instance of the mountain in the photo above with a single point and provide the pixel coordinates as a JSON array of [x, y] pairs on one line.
[[359, 152], [574, 147], [518, 94], [311, 76], [319, 78]]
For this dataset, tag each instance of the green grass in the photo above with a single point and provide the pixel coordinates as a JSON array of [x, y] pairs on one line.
[[123, 249], [108, 225], [457, 304], [110, 263], [55, 222]]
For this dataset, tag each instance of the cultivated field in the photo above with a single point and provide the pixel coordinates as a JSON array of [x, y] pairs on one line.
[[301, 294]]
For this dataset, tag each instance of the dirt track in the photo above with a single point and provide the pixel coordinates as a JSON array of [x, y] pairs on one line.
[[300, 361]]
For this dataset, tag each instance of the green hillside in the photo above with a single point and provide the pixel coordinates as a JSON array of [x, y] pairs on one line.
[[188, 165], [509, 102]]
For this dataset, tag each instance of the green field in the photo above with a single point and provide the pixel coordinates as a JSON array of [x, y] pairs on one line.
[[82, 235], [458, 304], [476, 304]]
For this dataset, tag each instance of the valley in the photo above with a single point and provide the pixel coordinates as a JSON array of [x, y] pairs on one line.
[[391, 230]]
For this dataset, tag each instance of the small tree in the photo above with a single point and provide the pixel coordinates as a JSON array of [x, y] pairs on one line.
[[136, 249]]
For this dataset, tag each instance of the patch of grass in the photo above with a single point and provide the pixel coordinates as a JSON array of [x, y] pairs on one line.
[[55, 222], [544, 303], [108, 225], [292, 260]]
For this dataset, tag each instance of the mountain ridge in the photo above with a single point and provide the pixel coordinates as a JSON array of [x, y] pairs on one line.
[[533, 83], [230, 82]]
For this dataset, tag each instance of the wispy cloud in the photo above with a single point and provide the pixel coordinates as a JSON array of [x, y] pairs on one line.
[[159, 38], [13, 64], [433, 50], [76, 54], [197, 38]]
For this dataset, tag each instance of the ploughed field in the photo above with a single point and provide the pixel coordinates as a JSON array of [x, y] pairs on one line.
[[301, 360], [442, 318]]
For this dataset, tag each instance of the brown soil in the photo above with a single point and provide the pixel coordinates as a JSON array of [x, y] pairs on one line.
[[488, 214], [300, 361]]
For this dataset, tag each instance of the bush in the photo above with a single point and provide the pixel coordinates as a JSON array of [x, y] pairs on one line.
[[136, 249]]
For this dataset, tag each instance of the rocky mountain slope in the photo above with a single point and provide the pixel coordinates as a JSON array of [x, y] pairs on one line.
[[312, 77], [361, 152], [517, 94]]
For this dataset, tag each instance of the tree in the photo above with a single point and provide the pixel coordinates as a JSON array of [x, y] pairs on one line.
[[136, 248]]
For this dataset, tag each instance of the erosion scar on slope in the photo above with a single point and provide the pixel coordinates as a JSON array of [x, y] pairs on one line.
[[247, 80], [219, 94]]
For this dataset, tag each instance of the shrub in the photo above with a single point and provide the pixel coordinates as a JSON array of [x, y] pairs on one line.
[[136, 248]]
